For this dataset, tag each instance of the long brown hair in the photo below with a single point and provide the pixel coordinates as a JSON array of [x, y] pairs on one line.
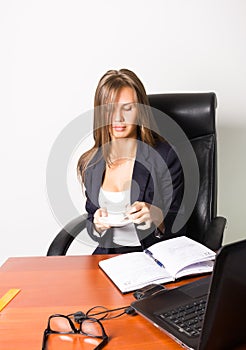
[[108, 87]]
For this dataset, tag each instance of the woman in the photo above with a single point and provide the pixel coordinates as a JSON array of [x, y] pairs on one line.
[[132, 177]]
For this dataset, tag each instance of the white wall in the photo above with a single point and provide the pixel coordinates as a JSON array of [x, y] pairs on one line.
[[53, 53]]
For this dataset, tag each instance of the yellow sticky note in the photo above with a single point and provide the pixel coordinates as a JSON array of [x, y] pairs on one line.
[[8, 297]]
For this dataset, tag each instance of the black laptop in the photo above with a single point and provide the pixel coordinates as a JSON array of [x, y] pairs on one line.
[[208, 314]]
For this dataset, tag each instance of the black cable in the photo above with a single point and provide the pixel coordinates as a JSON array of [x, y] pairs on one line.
[[107, 311], [80, 315]]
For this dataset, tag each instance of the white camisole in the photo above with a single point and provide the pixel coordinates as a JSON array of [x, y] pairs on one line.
[[117, 202]]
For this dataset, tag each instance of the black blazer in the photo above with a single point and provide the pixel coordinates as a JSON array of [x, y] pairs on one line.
[[157, 179]]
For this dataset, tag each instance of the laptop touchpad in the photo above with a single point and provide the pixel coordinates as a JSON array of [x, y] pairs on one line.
[[198, 288]]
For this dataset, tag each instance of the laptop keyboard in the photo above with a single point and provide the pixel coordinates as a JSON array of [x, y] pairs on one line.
[[187, 318]]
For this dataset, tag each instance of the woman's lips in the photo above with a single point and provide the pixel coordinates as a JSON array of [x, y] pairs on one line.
[[119, 128]]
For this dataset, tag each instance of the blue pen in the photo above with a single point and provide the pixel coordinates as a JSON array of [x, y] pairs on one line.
[[148, 252]]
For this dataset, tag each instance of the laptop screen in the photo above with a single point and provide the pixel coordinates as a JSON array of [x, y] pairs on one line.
[[224, 325]]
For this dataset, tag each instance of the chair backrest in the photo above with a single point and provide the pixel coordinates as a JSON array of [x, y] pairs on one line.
[[195, 114]]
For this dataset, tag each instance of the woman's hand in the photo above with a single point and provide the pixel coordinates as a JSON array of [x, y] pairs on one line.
[[99, 225], [141, 212]]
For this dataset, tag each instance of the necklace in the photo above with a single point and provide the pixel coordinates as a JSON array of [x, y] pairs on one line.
[[120, 162]]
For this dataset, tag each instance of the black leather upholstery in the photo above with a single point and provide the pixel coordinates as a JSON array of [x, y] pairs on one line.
[[195, 114]]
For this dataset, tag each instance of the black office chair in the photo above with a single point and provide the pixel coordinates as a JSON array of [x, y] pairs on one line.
[[195, 114]]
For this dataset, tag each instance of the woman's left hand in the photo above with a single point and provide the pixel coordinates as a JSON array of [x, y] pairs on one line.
[[142, 212]]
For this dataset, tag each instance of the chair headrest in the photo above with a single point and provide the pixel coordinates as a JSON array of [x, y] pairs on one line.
[[194, 112]]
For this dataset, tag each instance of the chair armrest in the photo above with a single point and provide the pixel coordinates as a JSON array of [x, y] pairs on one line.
[[65, 237], [214, 235]]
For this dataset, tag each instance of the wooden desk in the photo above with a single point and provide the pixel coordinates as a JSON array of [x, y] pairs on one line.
[[65, 285]]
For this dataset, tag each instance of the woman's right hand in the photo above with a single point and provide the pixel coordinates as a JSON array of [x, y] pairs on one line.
[[99, 225]]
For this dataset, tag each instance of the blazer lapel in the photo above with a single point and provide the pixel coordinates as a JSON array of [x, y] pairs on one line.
[[141, 172], [96, 176]]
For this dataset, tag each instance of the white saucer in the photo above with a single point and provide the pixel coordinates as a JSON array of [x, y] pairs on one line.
[[115, 221]]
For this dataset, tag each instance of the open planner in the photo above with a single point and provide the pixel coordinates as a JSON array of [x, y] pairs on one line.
[[163, 262]]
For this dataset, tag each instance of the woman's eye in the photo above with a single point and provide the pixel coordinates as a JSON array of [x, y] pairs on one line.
[[127, 108]]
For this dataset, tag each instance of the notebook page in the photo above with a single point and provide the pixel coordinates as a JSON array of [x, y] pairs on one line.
[[177, 253], [133, 270]]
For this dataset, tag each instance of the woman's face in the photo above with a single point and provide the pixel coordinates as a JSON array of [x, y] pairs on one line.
[[124, 118]]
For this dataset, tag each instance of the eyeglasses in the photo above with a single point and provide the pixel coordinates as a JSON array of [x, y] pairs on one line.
[[64, 331]]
